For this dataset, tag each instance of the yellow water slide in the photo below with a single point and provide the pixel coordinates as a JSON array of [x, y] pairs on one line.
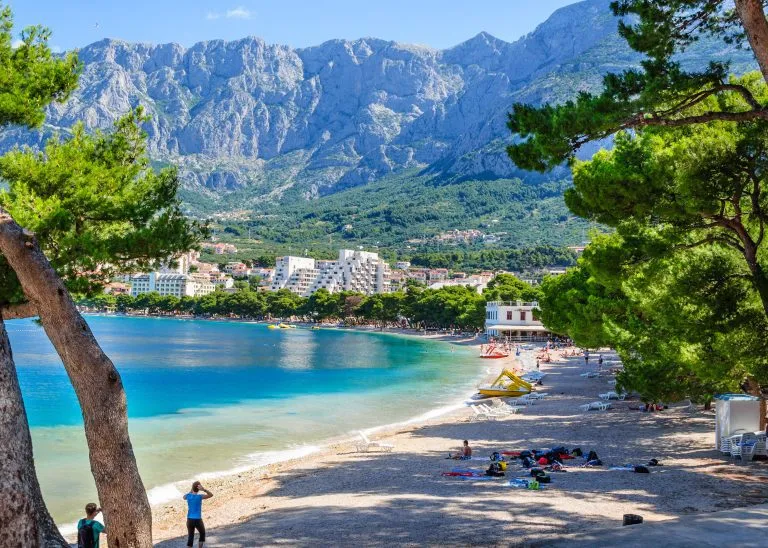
[[507, 384]]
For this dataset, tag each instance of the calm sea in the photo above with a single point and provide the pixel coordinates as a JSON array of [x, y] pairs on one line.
[[207, 398]]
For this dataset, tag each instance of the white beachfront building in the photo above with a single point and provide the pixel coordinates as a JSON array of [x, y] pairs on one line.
[[514, 320], [171, 284], [353, 271], [164, 283]]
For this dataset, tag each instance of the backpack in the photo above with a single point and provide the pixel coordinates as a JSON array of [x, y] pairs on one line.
[[85, 536], [592, 456], [577, 452], [494, 470], [642, 470]]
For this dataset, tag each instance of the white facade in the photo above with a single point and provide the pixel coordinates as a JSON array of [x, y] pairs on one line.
[[203, 284], [359, 271], [168, 284], [513, 320], [293, 273]]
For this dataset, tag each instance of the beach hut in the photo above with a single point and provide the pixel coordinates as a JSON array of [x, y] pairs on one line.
[[735, 412]]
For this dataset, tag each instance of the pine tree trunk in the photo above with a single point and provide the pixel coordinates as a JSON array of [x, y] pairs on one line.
[[24, 518], [753, 20], [98, 387]]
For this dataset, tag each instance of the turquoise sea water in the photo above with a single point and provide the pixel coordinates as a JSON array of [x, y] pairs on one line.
[[210, 397]]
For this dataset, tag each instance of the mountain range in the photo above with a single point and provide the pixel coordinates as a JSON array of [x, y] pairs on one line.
[[250, 123]]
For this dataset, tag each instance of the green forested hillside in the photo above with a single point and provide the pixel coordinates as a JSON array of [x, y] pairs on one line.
[[406, 213]]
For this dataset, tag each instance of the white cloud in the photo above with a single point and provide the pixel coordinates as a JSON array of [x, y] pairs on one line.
[[235, 13], [238, 13], [17, 44], [56, 49]]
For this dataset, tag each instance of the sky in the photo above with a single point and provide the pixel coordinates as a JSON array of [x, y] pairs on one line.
[[297, 23]]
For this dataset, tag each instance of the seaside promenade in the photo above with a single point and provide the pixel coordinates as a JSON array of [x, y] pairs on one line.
[[341, 497]]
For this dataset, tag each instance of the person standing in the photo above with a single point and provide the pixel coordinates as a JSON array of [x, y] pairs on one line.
[[195, 512], [88, 529]]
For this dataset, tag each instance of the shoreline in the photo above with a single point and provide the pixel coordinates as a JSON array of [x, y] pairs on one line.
[[407, 331], [342, 497], [167, 515], [270, 461]]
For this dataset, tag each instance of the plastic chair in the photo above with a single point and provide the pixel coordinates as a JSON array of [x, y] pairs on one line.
[[725, 441], [743, 446]]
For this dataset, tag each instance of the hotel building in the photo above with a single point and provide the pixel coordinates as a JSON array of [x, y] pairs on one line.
[[514, 321], [359, 271]]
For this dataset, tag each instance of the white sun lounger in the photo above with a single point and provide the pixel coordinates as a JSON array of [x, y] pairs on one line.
[[504, 407], [493, 411], [595, 406], [524, 400], [364, 444], [480, 414]]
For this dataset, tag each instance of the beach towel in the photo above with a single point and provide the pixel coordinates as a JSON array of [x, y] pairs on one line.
[[518, 482], [463, 474], [637, 468]]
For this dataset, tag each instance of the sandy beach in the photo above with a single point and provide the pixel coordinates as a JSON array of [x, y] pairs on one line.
[[341, 497]]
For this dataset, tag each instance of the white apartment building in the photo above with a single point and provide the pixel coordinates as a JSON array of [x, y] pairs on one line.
[[221, 280], [203, 284], [171, 284], [514, 321], [359, 271], [294, 273]]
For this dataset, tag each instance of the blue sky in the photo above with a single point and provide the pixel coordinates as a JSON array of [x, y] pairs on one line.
[[298, 23]]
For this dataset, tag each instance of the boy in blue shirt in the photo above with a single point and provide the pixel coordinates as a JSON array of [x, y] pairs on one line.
[[195, 512]]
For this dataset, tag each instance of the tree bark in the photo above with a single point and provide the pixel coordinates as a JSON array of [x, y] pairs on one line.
[[24, 518], [98, 387], [18, 311], [753, 20]]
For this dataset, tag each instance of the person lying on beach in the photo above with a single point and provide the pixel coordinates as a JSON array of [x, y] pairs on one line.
[[464, 454]]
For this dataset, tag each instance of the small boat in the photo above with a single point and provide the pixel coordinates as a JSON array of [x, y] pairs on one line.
[[286, 326], [270, 326], [314, 327], [492, 352], [506, 384]]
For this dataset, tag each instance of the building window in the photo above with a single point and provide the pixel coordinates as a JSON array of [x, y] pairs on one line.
[[509, 315], [523, 315]]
